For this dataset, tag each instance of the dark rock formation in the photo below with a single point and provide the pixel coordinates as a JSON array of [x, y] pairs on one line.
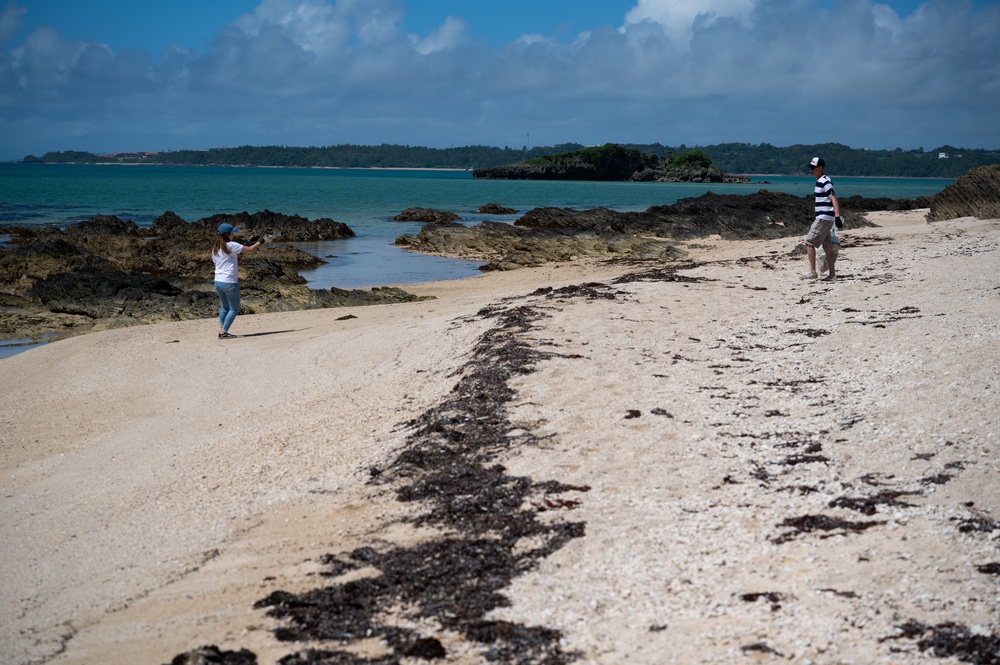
[[103, 293], [860, 203], [496, 209], [687, 175], [560, 234], [975, 194], [213, 655], [427, 216], [272, 225], [531, 172], [506, 247], [107, 272], [104, 226], [764, 214]]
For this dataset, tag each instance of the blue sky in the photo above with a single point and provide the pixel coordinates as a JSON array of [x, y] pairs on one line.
[[117, 75]]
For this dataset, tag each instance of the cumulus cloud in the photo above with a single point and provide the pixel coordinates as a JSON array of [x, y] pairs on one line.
[[320, 72], [679, 18], [450, 34], [10, 20]]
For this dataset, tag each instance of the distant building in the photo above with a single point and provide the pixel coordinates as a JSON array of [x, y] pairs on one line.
[[142, 154], [942, 155]]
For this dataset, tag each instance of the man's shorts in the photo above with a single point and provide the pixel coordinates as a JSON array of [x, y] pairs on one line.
[[819, 233]]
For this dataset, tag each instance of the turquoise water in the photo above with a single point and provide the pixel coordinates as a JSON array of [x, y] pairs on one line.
[[364, 199]]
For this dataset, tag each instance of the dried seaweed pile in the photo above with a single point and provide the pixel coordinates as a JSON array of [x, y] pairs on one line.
[[449, 466], [489, 521], [953, 640]]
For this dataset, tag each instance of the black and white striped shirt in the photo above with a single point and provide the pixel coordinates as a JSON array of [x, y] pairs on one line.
[[823, 191]]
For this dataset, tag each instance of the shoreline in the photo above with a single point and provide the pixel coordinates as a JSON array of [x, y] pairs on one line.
[[694, 403], [255, 166], [444, 168]]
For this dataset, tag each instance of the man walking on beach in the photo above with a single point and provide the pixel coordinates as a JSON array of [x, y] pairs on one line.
[[827, 214]]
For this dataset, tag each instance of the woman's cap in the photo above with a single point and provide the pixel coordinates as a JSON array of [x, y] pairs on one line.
[[226, 228], [816, 161]]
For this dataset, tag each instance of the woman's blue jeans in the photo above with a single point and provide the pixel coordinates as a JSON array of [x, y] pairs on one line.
[[229, 298]]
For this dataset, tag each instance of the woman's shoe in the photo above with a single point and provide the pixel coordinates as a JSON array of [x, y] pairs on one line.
[[225, 335]]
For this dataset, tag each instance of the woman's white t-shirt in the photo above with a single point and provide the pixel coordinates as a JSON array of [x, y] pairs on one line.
[[226, 268]]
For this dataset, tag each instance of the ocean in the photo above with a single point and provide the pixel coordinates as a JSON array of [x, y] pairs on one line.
[[365, 199]]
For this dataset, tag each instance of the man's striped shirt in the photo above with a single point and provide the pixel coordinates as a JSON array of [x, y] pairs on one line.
[[823, 191]]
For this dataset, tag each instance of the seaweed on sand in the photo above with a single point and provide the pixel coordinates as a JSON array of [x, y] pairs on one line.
[[869, 504], [489, 520], [423, 599], [811, 523], [951, 639]]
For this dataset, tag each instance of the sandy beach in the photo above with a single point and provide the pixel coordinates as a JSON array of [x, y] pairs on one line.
[[746, 467]]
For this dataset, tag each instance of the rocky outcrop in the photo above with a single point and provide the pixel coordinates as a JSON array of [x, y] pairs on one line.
[[764, 214], [272, 225], [610, 172], [427, 216], [530, 172], [561, 234], [275, 226], [687, 175], [108, 273], [975, 194], [496, 209], [860, 203], [506, 247]]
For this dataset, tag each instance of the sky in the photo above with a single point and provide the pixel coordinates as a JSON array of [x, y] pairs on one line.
[[120, 75]]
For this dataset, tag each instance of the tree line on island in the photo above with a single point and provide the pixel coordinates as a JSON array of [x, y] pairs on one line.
[[732, 158], [613, 162]]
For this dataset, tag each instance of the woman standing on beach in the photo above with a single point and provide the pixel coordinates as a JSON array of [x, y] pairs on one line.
[[225, 254]]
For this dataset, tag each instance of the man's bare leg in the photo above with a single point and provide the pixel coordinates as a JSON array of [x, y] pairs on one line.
[[811, 253]]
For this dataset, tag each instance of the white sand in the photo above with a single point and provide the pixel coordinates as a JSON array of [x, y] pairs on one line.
[[157, 481]]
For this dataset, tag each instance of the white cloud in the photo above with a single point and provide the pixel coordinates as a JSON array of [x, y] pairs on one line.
[[312, 26], [10, 20], [679, 18], [320, 72], [450, 34]]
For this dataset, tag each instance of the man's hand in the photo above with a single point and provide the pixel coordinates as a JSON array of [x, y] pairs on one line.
[[839, 222]]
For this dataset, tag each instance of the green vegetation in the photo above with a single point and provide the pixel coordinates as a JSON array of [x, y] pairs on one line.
[[765, 158], [339, 156], [689, 160], [607, 162], [591, 157], [727, 157]]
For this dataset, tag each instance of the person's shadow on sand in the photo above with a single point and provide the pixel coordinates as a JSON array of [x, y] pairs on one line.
[[273, 332]]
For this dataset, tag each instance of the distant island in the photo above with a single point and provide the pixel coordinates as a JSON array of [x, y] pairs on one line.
[[614, 163], [732, 158]]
